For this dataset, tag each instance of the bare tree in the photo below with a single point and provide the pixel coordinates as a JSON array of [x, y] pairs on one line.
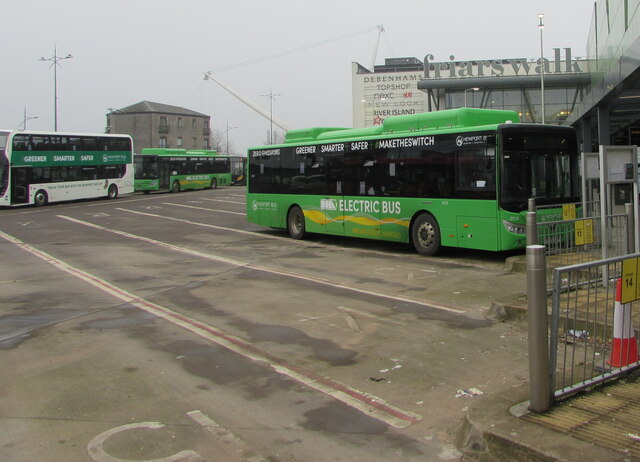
[[276, 138], [218, 140]]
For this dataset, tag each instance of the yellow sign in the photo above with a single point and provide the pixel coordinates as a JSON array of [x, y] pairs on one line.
[[588, 231], [579, 232], [630, 286], [569, 212], [584, 232]]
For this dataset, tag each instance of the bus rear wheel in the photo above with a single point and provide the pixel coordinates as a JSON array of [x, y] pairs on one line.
[[40, 198], [425, 234], [295, 223], [175, 187], [113, 192], [214, 183]]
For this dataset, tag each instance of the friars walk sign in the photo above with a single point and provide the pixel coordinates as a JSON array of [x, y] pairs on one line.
[[500, 67]]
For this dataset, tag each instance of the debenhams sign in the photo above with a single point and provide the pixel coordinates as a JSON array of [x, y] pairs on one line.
[[500, 67]]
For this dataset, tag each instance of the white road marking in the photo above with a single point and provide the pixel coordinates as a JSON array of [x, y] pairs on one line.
[[366, 403], [305, 243], [265, 269], [226, 437], [203, 208], [222, 200], [98, 453]]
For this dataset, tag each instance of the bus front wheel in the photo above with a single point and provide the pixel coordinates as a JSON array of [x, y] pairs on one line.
[[295, 223], [214, 183], [40, 198], [113, 192], [175, 187], [425, 234]]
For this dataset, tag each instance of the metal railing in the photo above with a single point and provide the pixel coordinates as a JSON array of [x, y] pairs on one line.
[[593, 335], [579, 240], [583, 315]]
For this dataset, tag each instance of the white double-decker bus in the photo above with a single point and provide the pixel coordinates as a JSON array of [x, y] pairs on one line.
[[42, 167]]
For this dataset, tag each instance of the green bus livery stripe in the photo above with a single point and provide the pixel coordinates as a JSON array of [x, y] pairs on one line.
[[65, 158]]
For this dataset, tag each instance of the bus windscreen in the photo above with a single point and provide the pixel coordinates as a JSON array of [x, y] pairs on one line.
[[538, 165]]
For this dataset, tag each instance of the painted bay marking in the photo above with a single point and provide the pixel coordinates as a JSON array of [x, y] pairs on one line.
[[203, 208], [97, 452], [265, 269], [299, 242], [364, 402], [226, 437], [222, 200]]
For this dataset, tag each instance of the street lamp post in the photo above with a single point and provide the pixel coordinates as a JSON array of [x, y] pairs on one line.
[[271, 95], [465, 94], [227, 133], [54, 62], [25, 119], [541, 27]]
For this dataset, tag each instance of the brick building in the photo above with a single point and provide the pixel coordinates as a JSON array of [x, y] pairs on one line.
[[156, 125]]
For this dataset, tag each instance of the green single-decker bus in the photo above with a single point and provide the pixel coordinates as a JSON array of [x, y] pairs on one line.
[[458, 178], [160, 169]]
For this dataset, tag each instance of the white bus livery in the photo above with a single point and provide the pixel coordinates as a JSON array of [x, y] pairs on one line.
[[42, 167]]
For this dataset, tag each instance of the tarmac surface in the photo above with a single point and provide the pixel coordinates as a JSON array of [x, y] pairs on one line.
[[143, 327], [600, 424]]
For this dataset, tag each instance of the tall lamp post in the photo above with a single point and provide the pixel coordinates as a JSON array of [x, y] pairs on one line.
[[54, 62], [541, 27], [271, 95], [465, 94], [227, 133]]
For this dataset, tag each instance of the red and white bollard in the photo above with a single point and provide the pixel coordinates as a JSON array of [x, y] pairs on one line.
[[625, 345]]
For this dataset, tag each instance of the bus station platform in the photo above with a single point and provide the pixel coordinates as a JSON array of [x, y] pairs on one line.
[[601, 425]]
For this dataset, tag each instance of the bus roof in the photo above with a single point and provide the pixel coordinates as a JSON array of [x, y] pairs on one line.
[[179, 152], [43, 132], [408, 125]]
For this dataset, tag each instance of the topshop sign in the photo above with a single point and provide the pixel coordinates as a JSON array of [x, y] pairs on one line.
[[500, 67]]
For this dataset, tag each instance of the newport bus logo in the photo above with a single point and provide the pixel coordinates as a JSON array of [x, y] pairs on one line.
[[263, 205], [328, 204], [473, 140]]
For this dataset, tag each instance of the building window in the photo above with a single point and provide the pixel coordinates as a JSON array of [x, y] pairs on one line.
[[163, 142], [194, 142], [179, 141], [164, 126], [193, 123], [206, 143], [179, 122]]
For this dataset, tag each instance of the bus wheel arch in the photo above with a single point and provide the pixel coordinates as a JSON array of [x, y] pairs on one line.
[[175, 186], [295, 222], [425, 233], [214, 183], [112, 193], [40, 198]]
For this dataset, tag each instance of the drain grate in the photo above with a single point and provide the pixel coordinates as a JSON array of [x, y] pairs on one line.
[[609, 417]]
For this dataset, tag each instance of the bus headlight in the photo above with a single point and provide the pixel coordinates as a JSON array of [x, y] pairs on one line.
[[514, 227]]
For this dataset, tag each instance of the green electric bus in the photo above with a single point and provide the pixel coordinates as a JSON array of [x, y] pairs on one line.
[[458, 178], [158, 169], [42, 167]]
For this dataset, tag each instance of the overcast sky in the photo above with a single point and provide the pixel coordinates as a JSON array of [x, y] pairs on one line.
[[126, 51]]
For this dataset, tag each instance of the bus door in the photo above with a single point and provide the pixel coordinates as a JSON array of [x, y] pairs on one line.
[[19, 185], [332, 200], [163, 173], [361, 204]]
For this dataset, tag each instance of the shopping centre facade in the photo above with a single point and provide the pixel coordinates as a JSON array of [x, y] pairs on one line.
[[598, 94]]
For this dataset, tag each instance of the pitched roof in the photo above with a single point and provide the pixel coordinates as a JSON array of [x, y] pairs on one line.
[[149, 106]]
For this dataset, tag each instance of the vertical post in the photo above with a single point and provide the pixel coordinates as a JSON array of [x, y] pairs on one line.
[[539, 384], [541, 27], [631, 240], [532, 228]]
